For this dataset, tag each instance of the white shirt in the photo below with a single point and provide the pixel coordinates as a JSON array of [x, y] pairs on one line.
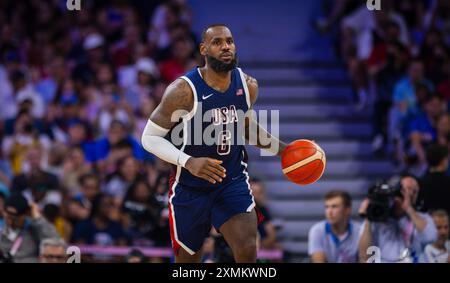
[[435, 255], [396, 235], [338, 249]]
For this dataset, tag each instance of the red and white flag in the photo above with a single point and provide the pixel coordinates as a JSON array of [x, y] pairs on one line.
[[239, 92]]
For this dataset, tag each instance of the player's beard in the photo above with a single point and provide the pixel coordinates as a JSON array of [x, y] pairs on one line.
[[220, 66]]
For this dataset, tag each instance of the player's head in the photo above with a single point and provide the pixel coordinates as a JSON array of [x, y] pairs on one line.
[[338, 206], [440, 219], [218, 48]]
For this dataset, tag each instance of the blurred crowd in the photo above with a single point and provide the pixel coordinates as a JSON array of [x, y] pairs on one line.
[[398, 60], [77, 88]]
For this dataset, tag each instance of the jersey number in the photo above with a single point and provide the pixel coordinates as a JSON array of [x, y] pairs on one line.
[[224, 144]]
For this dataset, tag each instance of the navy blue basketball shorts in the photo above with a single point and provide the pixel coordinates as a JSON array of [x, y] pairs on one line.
[[192, 212]]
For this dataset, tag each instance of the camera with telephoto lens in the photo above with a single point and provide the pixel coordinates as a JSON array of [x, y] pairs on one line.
[[381, 201]]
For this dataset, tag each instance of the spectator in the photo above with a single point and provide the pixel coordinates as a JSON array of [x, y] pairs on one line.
[[435, 185], [67, 113], [84, 72], [60, 141], [336, 238], [358, 26], [100, 229], [405, 105], [266, 229], [37, 185], [182, 60], [55, 159], [79, 206], [386, 65], [117, 133], [25, 136], [25, 92], [142, 214], [439, 251], [52, 250], [114, 108], [79, 137], [52, 213], [144, 85], [57, 73], [127, 173], [361, 31], [422, 129], [34, 175], [124, 50], [165, 17], [407, 232], [22, 235], [74, 167]]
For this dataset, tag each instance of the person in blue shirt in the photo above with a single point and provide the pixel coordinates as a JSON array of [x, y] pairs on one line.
[[117, 133], [79, 137], [422, 129], [4, 193], [336, 238], [100, 229], [405, 101]]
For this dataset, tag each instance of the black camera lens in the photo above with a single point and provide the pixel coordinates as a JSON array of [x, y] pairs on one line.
[[381, 201]]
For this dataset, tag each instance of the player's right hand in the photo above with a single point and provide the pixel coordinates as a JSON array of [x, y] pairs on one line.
[[206, 168]]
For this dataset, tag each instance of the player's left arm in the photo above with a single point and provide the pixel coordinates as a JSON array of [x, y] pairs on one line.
[[253, 131]]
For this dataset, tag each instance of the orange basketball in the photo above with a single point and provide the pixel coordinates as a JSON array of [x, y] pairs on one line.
[[303, 162]]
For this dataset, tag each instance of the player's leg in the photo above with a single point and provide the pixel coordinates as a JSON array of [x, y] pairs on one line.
[[184, 256], [233, 214], [240, 232], [189, 223]]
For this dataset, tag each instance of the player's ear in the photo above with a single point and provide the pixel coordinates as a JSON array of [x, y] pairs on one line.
[[202, 49]]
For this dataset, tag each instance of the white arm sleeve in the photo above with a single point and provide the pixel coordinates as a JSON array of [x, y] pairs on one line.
[[153, 141]]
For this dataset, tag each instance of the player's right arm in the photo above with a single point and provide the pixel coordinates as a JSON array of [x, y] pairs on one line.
[[176, 102]]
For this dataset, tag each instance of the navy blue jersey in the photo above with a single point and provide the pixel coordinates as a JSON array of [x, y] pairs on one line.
[[214, 128]]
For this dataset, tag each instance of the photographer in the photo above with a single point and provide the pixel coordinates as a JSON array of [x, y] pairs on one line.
[[22, 235], [397, 229]]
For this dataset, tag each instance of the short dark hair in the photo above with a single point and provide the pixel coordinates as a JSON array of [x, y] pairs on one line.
[[211, 26], [345, 196], [439, 213], [436, 153]]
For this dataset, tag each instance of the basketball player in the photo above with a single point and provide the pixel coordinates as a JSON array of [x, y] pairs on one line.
[[210, 186]]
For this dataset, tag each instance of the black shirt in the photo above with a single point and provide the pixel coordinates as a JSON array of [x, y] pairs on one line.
[[435, 191]]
